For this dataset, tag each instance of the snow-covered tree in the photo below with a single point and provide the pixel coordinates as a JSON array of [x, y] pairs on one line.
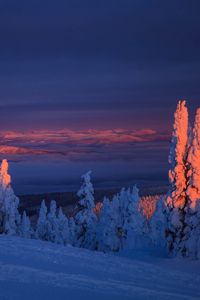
[[133, 216], [25, 226], [71, 231], [98, 208], [190, 245], [135, 225], [62, 235], [121, 222], [193, 159], [9, 215], [52, 223], [107, 234], [177, 198], [191, 235], [41, 228], [148, 204], [158, 224], [85, 219], [178, 155]]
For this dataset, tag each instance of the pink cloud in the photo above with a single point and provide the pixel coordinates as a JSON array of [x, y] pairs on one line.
[[67, 141]]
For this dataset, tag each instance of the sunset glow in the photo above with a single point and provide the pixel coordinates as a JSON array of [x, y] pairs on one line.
[[43, 142]]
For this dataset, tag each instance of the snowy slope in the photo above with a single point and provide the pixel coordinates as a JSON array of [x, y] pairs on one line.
[[31, 269]]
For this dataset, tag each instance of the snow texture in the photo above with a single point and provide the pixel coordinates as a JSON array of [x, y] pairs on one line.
[[42, 270]]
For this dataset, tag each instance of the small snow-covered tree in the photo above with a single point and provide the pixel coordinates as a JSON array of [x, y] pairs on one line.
[[9, 215], [132, 210], [121, 202], [158, 224], [176, 199], [148, 204], [85, 219], [71, 231], [52, 224], [122, 223], [25, 226], [62, 235], [98, 208], [41, 228], [107, 235], [135, 222], [191, 239]]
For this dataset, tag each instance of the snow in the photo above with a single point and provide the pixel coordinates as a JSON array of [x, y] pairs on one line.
[[136, 264], [33, 269]]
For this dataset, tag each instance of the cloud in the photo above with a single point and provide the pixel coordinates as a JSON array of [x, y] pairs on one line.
[[91, 144]]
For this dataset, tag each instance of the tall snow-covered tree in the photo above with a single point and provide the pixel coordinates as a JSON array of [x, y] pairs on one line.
[[10, 218], [41, 227], [25, 226], [177, 198], [178, 155], [85, 219], [193, 159], [191, 238]]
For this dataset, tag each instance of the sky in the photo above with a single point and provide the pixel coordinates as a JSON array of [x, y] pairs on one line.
[[85, 82]]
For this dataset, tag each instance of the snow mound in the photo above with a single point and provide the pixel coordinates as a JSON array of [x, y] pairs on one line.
[[32, 269]]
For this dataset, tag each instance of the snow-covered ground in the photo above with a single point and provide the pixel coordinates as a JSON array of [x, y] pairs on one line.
[[31, 269]]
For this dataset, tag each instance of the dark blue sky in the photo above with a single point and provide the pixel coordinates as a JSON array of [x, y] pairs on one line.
[[99, 64]]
